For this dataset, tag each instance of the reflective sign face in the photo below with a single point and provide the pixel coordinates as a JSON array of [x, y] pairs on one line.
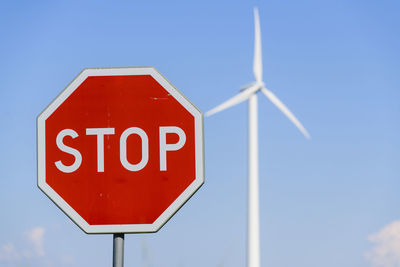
[[120, 150]]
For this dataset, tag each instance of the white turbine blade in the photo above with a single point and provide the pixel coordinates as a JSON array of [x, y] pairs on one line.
[[234, 100], [285, 110], [257, 65]]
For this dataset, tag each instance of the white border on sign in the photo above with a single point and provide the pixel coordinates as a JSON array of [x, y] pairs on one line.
[[125, 228]]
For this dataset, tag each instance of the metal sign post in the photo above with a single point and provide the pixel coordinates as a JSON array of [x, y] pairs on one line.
[[118, 250]]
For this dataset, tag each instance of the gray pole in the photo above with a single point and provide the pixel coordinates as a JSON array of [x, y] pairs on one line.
[[118, 250]]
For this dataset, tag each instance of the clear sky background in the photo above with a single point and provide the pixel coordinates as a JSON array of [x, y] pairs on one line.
[[329, 201]]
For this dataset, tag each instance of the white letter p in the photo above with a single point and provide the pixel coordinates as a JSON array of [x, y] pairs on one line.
[[164, 147]]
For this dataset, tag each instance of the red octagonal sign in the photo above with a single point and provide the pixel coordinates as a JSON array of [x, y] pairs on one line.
[[120, 150]]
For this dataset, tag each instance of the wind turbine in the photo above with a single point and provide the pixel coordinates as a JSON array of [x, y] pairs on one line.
[[250, 92]]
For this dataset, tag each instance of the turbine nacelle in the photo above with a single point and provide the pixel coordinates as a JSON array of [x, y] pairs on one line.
[[247, 86]]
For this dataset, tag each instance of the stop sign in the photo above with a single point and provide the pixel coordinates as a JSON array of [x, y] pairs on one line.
[[120, 150]]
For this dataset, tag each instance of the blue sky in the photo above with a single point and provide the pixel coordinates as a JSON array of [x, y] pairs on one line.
[[330, 201]]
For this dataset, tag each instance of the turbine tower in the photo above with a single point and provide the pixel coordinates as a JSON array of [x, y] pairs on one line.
[[250, 92]]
